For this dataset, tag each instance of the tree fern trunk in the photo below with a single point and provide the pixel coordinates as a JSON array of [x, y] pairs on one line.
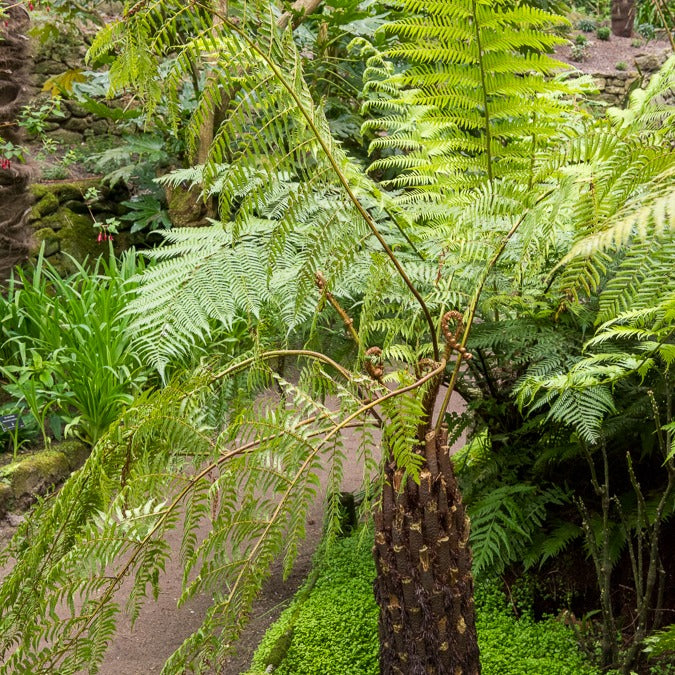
[[424, 585], [623, 16]]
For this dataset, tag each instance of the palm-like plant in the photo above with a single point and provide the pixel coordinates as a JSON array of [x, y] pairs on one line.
[[301, 226]]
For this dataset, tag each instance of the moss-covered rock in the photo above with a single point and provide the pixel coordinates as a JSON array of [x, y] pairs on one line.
[[6, 497], [65, 190], [48, 204], [76, 452], [23, 480], [186, 207], [46, 237], [66, 137], [35, 474], [78, 238]]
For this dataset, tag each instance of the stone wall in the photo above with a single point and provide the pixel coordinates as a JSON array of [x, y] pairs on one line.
[[614, 88], [63, 221], [52, 58]]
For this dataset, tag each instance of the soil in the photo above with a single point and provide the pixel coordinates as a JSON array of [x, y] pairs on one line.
[[161, 627], [603, 55]]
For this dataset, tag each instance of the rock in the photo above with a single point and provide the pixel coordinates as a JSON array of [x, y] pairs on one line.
[[185, 206], [60, 117], [36, 474], [76, 110], [77, 206], [65, 190], [48, 67], [15, 519], [79, 124], [6, 497], [98, 127], [66, 137], [48, 204], [649, 63], [76, 452], [77, 236], [46, 240], [600, 82]]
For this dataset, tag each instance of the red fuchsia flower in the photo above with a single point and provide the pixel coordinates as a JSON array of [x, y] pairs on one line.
[[100, 237], [31, 6]]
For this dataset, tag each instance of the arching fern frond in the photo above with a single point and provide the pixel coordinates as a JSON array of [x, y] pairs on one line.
[[274, 140], [160, 469]]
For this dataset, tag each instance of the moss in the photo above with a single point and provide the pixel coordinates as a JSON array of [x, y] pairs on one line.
[[6, 497], [76, 452], [186, 207], [47, 204], [65, 190], [36, 473], [335, 630], [66, 137], [68, 232], [49, 238]]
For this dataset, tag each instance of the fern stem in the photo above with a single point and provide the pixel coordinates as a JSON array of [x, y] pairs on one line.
[[338, 172], [486, 112], [472, 311], [346, 319], [283, 352]]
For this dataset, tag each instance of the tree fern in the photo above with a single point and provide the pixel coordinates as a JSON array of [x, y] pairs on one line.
[[270, 115], [254, 480]]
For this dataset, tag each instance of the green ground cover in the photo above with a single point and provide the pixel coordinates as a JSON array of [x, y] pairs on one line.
[[333, 630]]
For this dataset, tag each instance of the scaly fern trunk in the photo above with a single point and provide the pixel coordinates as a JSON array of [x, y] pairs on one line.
[[424, 585], [623, 17]]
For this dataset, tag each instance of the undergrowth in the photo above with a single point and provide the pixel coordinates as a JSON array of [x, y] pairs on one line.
[[334, 630]]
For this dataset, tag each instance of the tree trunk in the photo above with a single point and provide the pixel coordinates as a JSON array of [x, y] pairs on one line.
[[424, 585], [623, 16], [15, 200]]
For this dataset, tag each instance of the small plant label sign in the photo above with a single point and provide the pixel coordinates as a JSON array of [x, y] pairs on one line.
[[11, 422]]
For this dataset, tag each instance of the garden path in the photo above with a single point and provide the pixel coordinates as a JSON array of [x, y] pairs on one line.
[[161, 627]]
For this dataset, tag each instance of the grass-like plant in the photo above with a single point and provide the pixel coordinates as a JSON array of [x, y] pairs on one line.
[[65, 344]]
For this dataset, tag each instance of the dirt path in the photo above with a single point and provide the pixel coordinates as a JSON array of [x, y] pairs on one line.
[[162, 627]]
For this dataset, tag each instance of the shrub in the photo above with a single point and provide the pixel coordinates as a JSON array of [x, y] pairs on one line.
[[621, 65], [586, 25], [581, 40], [636, 43], [579, 53], [646, 30], [603, 33], [334, 631]]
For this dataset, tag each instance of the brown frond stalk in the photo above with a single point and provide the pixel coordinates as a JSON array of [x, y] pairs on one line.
[[346, 319]]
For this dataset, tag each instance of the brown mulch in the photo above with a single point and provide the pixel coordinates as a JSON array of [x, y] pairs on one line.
[[603, 55]]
